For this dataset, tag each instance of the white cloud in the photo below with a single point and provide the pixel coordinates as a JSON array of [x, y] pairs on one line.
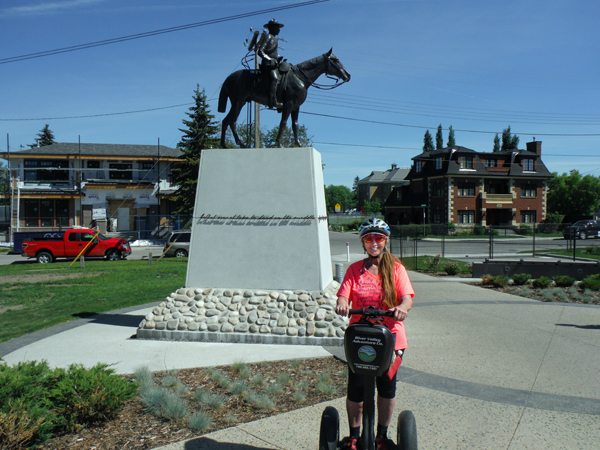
[[47, 7]]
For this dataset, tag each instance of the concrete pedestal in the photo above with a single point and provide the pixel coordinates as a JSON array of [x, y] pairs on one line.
[[260, 221]]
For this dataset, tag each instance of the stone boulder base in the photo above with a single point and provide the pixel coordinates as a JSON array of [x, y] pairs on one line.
[[247, 316]]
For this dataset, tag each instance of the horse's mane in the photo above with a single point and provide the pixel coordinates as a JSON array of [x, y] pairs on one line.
[[310, 63]]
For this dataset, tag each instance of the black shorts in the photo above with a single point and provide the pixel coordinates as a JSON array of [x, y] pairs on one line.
[[386, 388]]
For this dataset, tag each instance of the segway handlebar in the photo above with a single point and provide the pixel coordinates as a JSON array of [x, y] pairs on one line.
[[370, 312]]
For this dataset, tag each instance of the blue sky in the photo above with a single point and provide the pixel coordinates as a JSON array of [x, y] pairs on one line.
[[478, 66]]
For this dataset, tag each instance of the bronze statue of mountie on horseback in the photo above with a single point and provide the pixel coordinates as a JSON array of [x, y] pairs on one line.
[[277, 84]]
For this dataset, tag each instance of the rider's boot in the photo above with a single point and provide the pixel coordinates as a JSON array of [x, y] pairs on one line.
[[273, 95]]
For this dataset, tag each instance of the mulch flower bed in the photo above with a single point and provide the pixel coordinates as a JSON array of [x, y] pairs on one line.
[[288, 384]]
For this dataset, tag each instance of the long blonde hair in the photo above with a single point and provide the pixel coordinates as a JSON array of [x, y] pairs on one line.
[[387, 269]]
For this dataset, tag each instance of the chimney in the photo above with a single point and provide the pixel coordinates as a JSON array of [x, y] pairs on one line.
[[535, 146], [394, 166]]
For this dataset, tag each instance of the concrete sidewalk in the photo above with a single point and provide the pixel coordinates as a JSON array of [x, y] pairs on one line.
[[484, 370]]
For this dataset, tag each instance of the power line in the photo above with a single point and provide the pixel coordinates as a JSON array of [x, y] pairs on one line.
[[154, 33], [433, 127]]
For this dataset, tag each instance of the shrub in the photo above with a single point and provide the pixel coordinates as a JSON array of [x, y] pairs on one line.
[[563, 280], [452, 268], [592, 282], [521, 279], [486, 279], [524, 230], [479, 230], [433, 262], [499, 281], [592, 250], [200, 421], [541, 282]]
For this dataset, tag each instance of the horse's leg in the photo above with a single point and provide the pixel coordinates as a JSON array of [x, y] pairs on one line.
[[295, 114], [285, 114], [236, 108]]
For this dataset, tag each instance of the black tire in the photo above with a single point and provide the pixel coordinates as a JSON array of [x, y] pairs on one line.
[[329, 434], [180, 253], [44, 257], [407, 431], [113, 255], [582, 235]]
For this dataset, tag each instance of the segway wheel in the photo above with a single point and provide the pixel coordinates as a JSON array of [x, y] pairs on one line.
[[407, 431], [329, 435]]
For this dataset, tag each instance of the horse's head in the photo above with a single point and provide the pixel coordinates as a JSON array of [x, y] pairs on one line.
[[335, 68]]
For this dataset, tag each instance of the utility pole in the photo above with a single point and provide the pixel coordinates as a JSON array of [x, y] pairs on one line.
[[256, 111]]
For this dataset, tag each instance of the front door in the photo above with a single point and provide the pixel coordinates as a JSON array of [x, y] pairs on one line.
[[123, 219]]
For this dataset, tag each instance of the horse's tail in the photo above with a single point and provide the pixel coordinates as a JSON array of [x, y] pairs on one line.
[[223, 98]]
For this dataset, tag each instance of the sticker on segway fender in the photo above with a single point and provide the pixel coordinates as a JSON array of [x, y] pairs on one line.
[[367, 353], [367, 340], [366, 367]]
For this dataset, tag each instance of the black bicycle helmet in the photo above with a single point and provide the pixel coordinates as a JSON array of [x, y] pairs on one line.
[[374, 225]]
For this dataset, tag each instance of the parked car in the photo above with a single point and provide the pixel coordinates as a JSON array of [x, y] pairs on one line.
[[178, 244], [582, 229], [72, 242]]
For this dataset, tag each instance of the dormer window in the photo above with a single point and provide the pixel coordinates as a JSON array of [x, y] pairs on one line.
[[418, 166], [491, 163], [528, 165], [466, 162], [438, 163]]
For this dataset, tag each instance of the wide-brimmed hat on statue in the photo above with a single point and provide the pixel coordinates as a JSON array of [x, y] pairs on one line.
[[273, 23]]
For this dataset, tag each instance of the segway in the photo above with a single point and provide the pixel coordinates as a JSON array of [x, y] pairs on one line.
[[369, 348]]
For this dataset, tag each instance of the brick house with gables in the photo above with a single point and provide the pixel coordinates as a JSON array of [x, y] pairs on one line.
[[466, 187]]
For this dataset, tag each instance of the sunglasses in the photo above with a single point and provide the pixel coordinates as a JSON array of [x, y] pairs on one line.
[[379, 238]]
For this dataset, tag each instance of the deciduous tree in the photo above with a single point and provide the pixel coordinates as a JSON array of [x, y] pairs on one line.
[[287, 139], [573, 195], [341, 195]]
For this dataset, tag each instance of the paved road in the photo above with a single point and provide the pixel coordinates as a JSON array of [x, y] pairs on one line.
[[343, 243]]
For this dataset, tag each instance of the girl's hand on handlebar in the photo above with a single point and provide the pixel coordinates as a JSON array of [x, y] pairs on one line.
[[343, 306], [400, 312]]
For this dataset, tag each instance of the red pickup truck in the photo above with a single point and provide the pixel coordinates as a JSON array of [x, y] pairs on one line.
[[72, 242]]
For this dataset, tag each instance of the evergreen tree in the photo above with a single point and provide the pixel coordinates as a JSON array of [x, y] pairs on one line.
[[428, 142], [355, 187], [451, 139], [45, 137], [509, 141], [439, 139], [496, 144], [201, 133]]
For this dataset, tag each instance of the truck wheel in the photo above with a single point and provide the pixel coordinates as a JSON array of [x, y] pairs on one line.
[[44, 257], [407, 431], [113, 255], [329, 434], [180, 253]]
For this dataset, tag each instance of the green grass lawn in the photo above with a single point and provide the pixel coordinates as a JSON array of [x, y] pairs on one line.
[[421, 263], [35, 296], [579, 253]]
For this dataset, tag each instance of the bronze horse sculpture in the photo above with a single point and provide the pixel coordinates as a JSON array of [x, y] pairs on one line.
[[244, 86]]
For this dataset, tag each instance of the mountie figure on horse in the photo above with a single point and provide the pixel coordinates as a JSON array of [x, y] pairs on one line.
[[277, 84]]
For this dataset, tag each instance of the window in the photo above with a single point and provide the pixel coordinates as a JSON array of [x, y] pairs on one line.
[[528, 165], [466, 216], [466, 189], [418, 166], [93, 164], [80, 237], [528, 216], [491, 163], [466, 162], [147, 165], [529, 191], [437, 216], [438, 163], [46, 213], [120, 171], [46, 171], [438, 189]]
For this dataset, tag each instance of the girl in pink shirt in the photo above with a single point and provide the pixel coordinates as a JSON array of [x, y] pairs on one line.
[[380, 281]]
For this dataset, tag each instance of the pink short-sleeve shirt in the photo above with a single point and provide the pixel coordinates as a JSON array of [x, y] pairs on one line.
[[363, 289]]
